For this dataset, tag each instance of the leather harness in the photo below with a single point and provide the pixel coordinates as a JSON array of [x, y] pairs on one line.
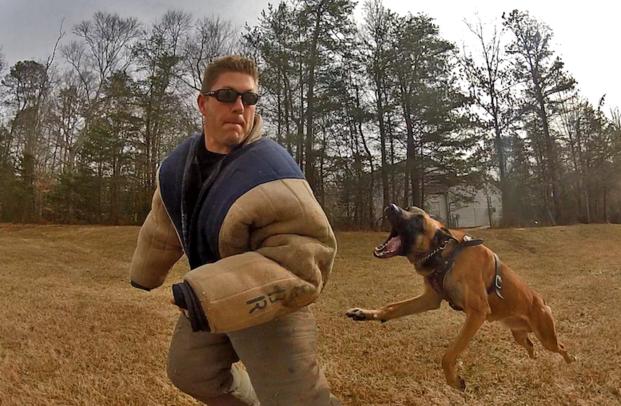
[[442, 266]]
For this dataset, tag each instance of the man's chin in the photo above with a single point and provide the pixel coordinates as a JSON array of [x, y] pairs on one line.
[[233, 139]]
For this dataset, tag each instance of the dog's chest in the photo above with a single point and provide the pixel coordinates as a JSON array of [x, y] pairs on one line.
[[436, 281]]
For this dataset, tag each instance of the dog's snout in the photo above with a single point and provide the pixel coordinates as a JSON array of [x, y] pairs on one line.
[[392, 209]]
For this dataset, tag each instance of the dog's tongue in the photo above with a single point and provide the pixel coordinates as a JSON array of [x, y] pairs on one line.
[[388, 249]]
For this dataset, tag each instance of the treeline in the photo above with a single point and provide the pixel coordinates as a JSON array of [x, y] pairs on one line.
[[374, 111]]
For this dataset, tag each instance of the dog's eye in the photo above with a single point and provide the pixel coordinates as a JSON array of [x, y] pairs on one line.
[[420, 221]]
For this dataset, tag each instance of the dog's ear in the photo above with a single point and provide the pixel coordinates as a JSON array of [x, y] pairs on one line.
[[416, 210]]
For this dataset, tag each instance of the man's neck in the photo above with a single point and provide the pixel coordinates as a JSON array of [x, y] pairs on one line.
[[216, 148]]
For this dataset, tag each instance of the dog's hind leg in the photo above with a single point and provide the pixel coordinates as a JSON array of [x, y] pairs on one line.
[[543, 325], [474, 320], [521, 337]]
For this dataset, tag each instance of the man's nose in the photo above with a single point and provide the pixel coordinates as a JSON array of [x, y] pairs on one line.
[[238, 105]]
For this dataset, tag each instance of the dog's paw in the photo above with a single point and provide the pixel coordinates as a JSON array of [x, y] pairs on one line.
[[356, 314], [459, 384]]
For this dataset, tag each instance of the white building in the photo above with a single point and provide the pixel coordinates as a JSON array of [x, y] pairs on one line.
[[462, 207], [457, 206]]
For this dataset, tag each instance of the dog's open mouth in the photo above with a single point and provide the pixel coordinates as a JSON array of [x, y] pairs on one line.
[[391, 247]]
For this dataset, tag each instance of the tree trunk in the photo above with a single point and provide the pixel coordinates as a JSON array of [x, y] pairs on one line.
[[379, 105], [309, 169], [371, 165]]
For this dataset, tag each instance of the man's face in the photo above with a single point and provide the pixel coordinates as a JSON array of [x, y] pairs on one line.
[[226, 125]]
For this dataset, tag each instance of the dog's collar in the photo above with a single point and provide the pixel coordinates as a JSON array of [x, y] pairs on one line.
[[441, 239]]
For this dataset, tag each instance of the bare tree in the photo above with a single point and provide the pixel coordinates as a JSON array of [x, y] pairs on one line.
[[376, 34], [103, 48], [212, 37], [158, 57], [107, 39], [544, 76], [490, 83], [29, 85]]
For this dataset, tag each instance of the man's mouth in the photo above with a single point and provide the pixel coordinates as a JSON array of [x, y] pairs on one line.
[[391, 247], [236, 120]]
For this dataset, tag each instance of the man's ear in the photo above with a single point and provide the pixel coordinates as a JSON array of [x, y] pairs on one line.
[[200, 101]]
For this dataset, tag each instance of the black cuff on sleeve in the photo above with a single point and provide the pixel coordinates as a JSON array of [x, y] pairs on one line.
[[178, 295], [139, 286], [186, 299]]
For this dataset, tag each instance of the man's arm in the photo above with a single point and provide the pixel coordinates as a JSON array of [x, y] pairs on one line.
[[157, 250], [277, 248]]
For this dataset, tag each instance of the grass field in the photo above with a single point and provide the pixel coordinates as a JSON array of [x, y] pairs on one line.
[[72, 330]]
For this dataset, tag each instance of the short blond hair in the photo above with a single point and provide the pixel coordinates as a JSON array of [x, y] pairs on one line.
[[231, 63]]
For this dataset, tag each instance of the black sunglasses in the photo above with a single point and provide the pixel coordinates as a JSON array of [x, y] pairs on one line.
[[230, 96]]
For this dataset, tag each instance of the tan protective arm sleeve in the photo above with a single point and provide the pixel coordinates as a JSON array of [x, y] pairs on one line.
[[277, 248], [158, 247]]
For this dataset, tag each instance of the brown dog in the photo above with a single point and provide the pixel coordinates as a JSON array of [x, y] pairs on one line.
[[470, 277]]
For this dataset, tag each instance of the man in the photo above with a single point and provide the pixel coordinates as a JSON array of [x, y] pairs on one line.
[[260, 250]]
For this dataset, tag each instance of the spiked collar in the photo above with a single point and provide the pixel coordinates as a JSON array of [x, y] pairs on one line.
[[441, 239]]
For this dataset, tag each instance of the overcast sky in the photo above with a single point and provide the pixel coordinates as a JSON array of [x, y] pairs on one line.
[[587, 33]]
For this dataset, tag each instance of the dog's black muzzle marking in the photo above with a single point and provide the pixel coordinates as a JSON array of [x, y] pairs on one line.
[[405, 226], [393, 212]]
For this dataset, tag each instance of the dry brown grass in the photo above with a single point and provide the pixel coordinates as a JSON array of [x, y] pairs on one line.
[[72, 330]]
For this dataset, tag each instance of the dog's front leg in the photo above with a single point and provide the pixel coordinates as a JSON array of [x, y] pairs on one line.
[[474, 320], [429, 300]]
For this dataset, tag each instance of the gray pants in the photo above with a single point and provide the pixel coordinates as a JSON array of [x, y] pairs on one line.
[[280, 358]]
